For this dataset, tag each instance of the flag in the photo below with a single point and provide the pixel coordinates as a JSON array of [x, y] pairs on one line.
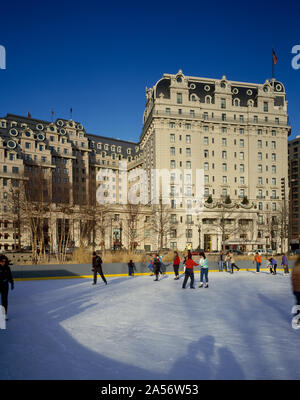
[[28, 114], [275, 59]]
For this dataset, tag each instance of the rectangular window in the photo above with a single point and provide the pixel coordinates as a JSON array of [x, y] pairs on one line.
[[223, 117], [224, 167], [187, 126], [242, 142], [224, 142], [192, 113], [259, 144], [224, 154], [188, 138], [172, 138], [172, 164], [168, 111], [266, 106], [179, 98], [188, 152], [242, 168], [206, 153], [172, 151], [223, 103], [205, 140]]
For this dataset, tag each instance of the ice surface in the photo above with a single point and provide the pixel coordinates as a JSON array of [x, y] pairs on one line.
[[134, 328]]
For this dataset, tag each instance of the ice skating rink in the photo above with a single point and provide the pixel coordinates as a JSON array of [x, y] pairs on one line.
[[134, 328]]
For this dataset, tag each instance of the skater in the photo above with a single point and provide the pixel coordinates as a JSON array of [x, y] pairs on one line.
[[296, 284], [163, 267], [131, 268], [204, 270], [176, 263], [272, 265], [285, 264], [189, 271], [150, 267], [97, 268], [257, 260], [221, 261], [227, 261], [5, 279], [232, 262], [156, 267]]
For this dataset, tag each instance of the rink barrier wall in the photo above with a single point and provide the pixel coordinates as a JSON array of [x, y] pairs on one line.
[[80, 271]]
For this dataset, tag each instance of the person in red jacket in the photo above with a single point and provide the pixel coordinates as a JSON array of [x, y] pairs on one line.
[[189, 271], [176, 263]]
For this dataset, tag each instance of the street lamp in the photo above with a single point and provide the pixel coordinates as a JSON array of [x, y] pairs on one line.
[[199, 232]]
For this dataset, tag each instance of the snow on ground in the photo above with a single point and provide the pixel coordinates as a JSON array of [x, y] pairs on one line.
[[134, 328]]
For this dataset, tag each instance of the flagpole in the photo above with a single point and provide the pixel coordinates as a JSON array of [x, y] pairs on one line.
[[272, 63]]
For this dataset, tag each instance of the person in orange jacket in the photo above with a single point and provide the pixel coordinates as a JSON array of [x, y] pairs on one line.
[[189, 271], [257, 260]]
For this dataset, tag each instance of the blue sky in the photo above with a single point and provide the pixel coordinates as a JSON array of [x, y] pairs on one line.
[[98, 57]]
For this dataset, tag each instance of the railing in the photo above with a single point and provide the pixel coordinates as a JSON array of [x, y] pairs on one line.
[[210, 118]]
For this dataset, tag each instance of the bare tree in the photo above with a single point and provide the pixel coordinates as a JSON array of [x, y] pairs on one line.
[[225, 222], [162, 224]]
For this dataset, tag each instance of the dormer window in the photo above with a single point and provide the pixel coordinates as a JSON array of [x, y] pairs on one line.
[[236, 102]]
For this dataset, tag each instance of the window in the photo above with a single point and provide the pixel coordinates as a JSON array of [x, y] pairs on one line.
[[188, 138], [242, 142], [192, 113], [224, 167], [27, 145], [260, 206], [224, 129], [205, 140], [224, 180], [259, 144], [206, 179], [188, 165], [273, 157], [224, 142], [273, 145], [179, 98], [273, 194], [276, 120], [205, 128], [188, 152], [242, 156], [259, 156], [224, 154], [255, 119], [223, 103], [172, 138], [242, 131], [172, 164], [273, 133], [187, 126], [242, 192], [273, 169], [207, 99], [206, 166], [266, 106], [224, 192], [241, 118], [168, 111], [274, 181], [172, 125], [206, 154], [273, 206], [172, 151], [259, 168], [260, 180], [242, 168], [236, 102], [223, 117]]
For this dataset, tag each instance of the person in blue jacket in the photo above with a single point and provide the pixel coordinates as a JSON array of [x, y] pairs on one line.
[[272, 265], [150, 267], [285, 264]]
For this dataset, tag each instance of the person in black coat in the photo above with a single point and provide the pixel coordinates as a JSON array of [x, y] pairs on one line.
[[131, 268], [5, 279], [156, 266], [97, 268]]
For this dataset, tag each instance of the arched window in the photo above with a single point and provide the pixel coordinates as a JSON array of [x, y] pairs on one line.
[[236, 102], [193, 97], [250, 103], [208, 100]]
